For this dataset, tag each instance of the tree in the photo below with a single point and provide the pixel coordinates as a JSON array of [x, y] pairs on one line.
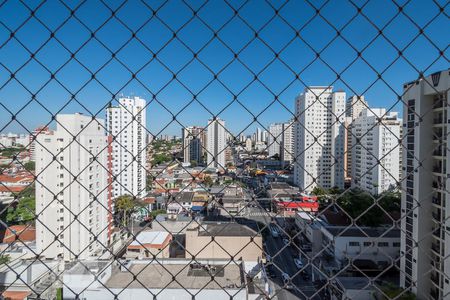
[[391, 291], [193, 163], [161, 158], [208, 181], [23, 212], [125, 206], [4, 259], [318, 191], [29, 166]]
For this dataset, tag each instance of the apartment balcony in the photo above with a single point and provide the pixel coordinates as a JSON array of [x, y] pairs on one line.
[[436, 248], [439, 153], [439, 171], [439, 105], [436, 200], [434, 294], [437, 185], [436, 215], [435, 279], [437, 232]]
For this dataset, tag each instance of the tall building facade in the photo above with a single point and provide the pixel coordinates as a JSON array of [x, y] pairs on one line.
[[287, 145], [353, 107], [33, 136], [425, 222], [72, 204], [319, 138], [126, 124], [376, 155], [275, 139], [193, 138], [216, 143]]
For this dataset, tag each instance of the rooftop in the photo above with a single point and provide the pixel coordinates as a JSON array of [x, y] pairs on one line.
[[363, 231], [150, 237], [184, 197], [354, 283], [192, 277], [87, 267], [225, 229]]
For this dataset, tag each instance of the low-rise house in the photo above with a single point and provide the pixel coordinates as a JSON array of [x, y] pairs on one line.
[[340, 242], [149, 244], [180, 203]]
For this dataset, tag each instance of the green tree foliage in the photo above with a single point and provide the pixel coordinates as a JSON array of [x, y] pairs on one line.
[[28, 192], [208, 181], [30, 166], [391, 291], [23, 212], [125, 206], [11, 151], [356, 202], [4, 259], [161, 158], [193, 163], [154, 213]]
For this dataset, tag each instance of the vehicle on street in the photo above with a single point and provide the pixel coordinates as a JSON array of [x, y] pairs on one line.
[[286, 281], [274, 231], [298, 263], [305, 276], [286, 242]]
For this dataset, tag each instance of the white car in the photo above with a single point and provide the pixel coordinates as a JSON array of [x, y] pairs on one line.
[[298, 263], [286, 281]]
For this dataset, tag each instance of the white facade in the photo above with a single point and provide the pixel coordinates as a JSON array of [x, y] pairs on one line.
[[425, 218], [216, 143], [287, 147], [275, 138], [248, 145], [319, 138], [127, 126], [60, 197], [376, 157], [354, 106]]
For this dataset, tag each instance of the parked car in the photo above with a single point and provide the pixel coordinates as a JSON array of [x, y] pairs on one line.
[[305, 276], [274, 231], [286, 281], [286, 242], [298, 263]]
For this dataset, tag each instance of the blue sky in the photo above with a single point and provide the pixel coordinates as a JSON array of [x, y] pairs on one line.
[[215, 55]]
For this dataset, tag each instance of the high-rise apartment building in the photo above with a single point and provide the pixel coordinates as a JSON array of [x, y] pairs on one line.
[[281, 141], [425, 222], [72, 205], [249, 145], [275, 139], [216, 143], [287, 145], [193, 138], [126, 124], [32, 142], [353, 107], [319, 138], [376, 155]]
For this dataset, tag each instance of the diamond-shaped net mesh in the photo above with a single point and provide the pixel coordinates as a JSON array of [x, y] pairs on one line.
[[224, 149]]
